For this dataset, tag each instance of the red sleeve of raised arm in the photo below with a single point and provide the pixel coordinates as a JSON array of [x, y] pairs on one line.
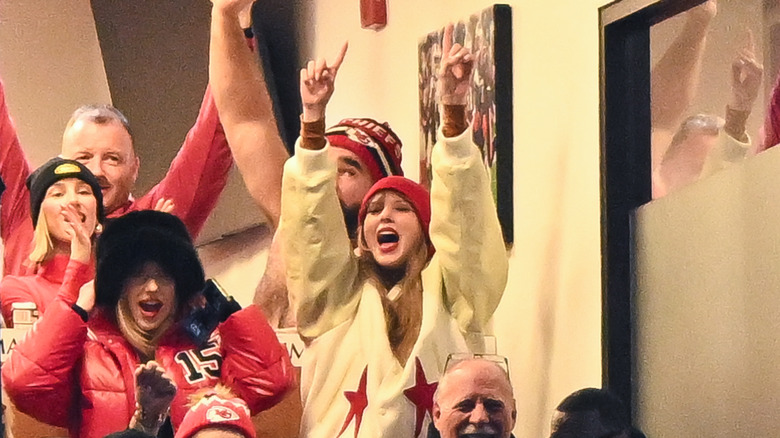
[[255, 365], [16, 227], [32, 289], [38, 375], [771, 129], [199, 172]]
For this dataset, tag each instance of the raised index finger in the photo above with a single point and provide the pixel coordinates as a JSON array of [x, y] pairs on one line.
[[446, 44], [340, 57]]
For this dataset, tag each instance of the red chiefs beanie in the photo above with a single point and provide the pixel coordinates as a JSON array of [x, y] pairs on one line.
[[213, 410], [373, 142], [415, 193]]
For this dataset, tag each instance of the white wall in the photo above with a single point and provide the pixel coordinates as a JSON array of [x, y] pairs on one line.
[[550, 318]]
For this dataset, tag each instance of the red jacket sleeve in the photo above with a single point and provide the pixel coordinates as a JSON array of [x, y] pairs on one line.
[[16, 290], [199, 172], [39, 375], [16, 228], [13, 290], [771, 129], [255, 365]]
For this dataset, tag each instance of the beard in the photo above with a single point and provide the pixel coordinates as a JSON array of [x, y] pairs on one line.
[[351, 219]]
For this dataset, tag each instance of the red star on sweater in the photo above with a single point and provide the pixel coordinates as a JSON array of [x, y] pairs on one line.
[[421, 394], [358, 400]]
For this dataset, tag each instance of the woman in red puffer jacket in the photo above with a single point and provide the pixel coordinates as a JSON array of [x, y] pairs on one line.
[[75, 367]]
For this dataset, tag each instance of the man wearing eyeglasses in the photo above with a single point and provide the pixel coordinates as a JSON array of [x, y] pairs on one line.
[[474, 398]]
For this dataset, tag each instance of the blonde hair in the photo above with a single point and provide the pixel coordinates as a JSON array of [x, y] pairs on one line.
[[42, 245]]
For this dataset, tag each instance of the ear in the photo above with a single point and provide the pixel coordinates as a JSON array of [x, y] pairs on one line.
[[514, 414], [436, 414], [137, 165]]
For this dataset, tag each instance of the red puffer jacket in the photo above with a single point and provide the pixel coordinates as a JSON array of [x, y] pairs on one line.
[[63, 374]]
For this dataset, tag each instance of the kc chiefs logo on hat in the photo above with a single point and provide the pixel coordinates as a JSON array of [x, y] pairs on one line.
[[359, 136], [218, 414]]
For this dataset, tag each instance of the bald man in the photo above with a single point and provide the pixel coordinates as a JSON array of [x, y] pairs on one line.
[[474, 398]]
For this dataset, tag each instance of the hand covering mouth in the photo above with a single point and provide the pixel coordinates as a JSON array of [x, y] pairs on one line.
[[82, 217]]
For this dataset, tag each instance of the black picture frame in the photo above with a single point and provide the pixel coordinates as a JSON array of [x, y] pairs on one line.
[[488, 33]]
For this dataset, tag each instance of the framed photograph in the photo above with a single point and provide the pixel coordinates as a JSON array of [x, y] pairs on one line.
[[488, 33]]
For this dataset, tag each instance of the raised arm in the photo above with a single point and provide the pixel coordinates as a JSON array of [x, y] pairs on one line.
[[733, 142], [245, 107], [16, 227], [198, 173], [321, 269], [746, 76], [771, 128], [675, 78], [464, 224]]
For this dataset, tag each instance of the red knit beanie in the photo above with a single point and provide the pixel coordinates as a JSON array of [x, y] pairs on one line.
[[373, 142], [415, 193], [213, 410]]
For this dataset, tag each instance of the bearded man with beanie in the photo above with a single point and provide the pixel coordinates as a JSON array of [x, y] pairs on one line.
[[381, 323], [75, 368], [364, 149]]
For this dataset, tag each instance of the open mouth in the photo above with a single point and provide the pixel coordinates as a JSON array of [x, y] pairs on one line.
[[150, 308], [387, 237], [387, 240]]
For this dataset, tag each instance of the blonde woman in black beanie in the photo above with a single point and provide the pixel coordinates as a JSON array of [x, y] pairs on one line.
[[67, 211]]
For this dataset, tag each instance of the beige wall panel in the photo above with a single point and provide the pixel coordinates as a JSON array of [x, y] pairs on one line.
[[706, 306]]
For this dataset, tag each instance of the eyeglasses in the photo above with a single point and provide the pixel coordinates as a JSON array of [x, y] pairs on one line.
[[455, 358]]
